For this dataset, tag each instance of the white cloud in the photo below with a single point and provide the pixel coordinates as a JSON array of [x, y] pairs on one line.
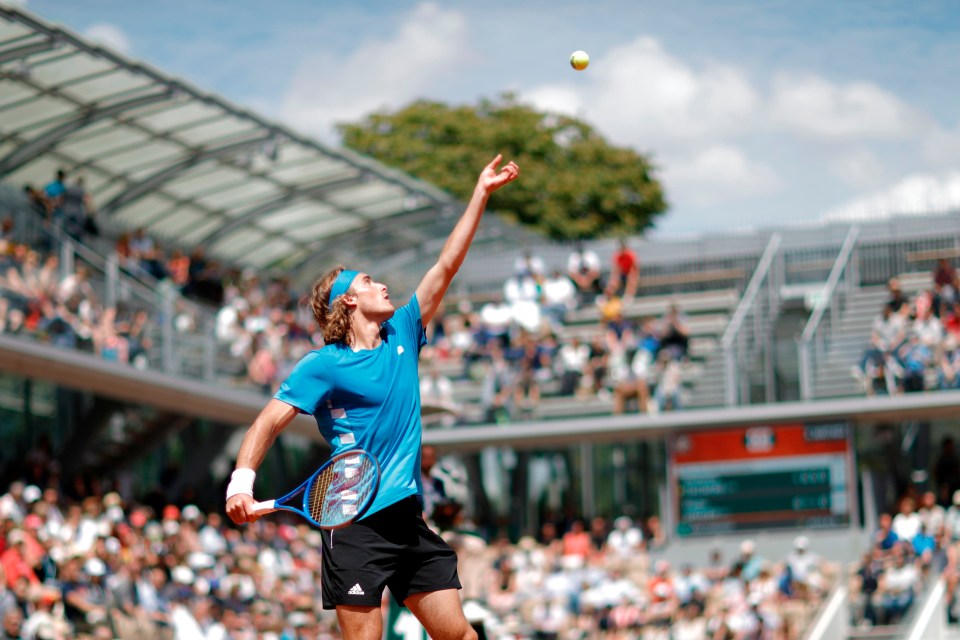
[[720, 174], [810, 105], [429, 46], [915, 194], [109, 35], [639, 94], [858, 168]]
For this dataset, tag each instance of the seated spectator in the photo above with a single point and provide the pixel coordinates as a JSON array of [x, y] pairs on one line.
[[868, 576], [906, 524], [932, 515], [915, 360], [558, 297], [896, 297], [624, 273], [887, 334], [951, 519], [625, 539], [583, 268], [572, 358], [521, 294], [629, 375], [674, 333], [497, 390], [944, 286], [885, 538], [669, 383], [897, 588]]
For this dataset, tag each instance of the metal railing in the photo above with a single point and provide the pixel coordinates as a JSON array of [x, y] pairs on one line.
[[748, 336], [815, 339]]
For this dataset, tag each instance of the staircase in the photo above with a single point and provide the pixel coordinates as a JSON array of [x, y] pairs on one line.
[[833, 377]]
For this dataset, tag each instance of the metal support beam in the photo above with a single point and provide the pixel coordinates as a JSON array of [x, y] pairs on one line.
[[307, 191], [32, 149], [28, 50], [165, 175]]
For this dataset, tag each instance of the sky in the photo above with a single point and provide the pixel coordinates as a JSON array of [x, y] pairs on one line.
[[756, 113]]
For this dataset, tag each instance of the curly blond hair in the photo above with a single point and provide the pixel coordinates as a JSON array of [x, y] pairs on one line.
[[334, 320]]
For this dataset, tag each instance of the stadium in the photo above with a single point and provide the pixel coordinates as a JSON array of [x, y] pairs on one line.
[[745, 435]]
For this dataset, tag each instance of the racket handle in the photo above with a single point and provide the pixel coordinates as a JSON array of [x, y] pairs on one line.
[[264, 507]]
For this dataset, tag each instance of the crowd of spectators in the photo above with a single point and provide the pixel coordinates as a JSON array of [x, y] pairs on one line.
[[914, 341], [910, 549], [98, 565], [514, 350]]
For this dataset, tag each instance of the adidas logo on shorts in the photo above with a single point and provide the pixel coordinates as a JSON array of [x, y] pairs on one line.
[[355, 590]]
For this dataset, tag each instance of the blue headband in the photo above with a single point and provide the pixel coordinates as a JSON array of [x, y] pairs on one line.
[[341, 284]]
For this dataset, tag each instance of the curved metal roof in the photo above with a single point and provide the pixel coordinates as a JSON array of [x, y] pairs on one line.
[[187, 165]]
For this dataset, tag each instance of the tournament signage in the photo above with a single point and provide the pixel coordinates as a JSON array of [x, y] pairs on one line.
[[761, 477]]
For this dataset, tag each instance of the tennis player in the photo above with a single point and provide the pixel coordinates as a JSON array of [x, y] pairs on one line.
[[363, 389]]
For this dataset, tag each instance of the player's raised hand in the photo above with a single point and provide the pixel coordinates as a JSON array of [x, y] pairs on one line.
[[491, 179]]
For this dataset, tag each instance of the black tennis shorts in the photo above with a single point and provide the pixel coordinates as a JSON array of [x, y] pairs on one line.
[[392, 548]]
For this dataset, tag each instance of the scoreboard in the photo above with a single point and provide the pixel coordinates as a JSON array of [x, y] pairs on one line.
[[761, 477]]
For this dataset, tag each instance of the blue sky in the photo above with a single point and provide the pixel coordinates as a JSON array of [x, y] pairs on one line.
[[757, 112]]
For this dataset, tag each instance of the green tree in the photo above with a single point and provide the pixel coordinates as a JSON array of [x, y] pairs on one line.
[[573, 185]]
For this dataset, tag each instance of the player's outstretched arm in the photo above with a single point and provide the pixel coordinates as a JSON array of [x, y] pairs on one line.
[[434, 284], [274, 418]]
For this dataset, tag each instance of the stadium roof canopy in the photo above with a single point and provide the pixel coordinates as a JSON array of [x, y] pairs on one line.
[[190, 167]]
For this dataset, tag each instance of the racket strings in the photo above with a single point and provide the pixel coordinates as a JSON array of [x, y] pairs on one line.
[[338, 493]]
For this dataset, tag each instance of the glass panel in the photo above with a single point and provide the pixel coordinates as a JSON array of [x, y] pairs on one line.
[[305, 212], [240, 198], [382, 209], [293, 153], [222, 128], [14, 92], [200, 231], [98, 88], [108, 139], [143, 209], [313, 172], [34, 111], [156, 151], [179, 115], [327, 228], [235, 243], [11, 31], [269, 252], [358, 196], [67, 69], [172, 224], [193, 182], [38, 173]]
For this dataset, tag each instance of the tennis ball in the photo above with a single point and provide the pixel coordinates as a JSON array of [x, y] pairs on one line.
[[579, 60]]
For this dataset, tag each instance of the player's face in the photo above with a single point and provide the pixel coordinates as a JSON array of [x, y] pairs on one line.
[[372, 297]]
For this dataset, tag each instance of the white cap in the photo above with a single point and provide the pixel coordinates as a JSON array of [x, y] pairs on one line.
[[747, 547], [182, 575], [32, 493], [95, 567], [801, 542]]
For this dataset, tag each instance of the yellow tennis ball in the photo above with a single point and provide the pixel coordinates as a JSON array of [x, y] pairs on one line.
[[579, 60]]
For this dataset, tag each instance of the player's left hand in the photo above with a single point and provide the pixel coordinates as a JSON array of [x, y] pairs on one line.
[[491, 180]]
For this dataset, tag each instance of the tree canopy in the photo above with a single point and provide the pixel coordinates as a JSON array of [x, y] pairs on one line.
[[573, 185]]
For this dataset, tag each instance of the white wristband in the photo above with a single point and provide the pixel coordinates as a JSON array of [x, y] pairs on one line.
[[241, 481]]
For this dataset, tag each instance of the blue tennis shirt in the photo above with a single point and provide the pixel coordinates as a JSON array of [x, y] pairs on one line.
[[370, 400]]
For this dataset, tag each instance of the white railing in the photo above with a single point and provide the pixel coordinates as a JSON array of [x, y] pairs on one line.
[[833, 620], [815, 339], [930, 620], [748, 335]]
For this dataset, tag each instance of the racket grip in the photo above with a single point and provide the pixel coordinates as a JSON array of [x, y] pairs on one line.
[[266, 506]]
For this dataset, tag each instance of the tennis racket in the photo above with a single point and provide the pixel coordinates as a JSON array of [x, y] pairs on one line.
[[338, 493]]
